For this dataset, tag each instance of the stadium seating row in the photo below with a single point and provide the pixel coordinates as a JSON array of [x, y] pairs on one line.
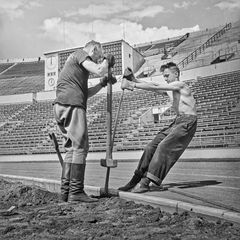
[[24, 128]]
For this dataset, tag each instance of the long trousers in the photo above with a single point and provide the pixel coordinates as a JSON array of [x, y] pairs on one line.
[[164, 150], [72, 123]]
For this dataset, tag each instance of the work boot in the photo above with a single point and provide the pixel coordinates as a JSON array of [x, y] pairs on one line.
[[144, 186], [133, 182], [76, 192], [65, 179]]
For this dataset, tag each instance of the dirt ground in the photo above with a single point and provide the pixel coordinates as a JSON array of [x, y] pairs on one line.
[[27, 212]]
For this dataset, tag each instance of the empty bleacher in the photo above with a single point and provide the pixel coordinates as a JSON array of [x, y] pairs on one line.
[[218, 109], [222, 42], [5, 66], [8, 111], [24, 127], [27, 129], [160, 47], [21, 85], [23, 69], [23, 77]]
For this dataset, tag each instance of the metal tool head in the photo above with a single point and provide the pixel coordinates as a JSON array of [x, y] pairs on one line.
[[108, 163], [110, 193]]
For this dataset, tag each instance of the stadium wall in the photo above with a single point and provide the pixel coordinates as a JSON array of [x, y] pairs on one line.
[[17, 98], [19, 60], [223, 154], [47, 95], [213, 69]]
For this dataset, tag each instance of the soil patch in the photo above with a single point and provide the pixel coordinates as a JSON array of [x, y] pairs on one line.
[[28, 212]]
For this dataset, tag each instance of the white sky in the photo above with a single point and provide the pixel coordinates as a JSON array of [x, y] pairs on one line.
[[29, 28]]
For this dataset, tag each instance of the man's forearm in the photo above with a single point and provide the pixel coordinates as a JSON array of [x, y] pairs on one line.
[[146, 86], [94, 90], [150, 86], [137, 80]]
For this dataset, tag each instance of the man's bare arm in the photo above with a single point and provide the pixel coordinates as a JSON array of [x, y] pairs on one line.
[[137, 80], [94, 90], [103, 83], [99, 69], [150, 86]]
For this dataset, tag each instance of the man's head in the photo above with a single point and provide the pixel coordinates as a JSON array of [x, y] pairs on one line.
[[170, 72], [94, 50]]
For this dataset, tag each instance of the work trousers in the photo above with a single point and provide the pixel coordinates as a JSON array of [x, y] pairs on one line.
[[72, 123], [164, 150]]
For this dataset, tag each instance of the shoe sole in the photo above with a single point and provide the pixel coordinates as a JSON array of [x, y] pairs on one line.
[[141, 190]]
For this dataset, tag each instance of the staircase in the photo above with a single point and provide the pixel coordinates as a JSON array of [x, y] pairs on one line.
[[177, 43], [8, 68]]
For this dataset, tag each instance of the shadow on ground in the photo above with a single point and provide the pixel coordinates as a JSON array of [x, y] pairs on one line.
[[192, 184]]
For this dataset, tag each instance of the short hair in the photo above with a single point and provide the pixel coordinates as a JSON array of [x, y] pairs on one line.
[[171, 66], [92, 43]]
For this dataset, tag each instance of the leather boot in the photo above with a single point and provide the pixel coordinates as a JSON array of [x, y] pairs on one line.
[[133, 182], [76, 192], [65, 179]]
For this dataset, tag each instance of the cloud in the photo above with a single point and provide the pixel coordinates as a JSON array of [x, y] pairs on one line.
[[136, 34], [72, 33], [77, 34], [11, 9], [150, 11], [131, 10], [184, 4], [30, 4], [228, 5], [95, 11], [15, 8]]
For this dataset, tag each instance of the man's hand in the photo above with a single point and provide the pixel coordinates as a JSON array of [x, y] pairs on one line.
[[127, 84], [112, 79], [128, 74], [111, 60], [104, 81]]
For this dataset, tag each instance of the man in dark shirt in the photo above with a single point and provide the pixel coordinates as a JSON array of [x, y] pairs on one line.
[[70, 113]]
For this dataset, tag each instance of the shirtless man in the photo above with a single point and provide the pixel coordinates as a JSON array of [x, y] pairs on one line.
[[165, 149]]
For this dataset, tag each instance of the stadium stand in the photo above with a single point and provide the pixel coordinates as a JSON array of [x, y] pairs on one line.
[[23, 77], [24, 127], [218, 99], [161, 47], [20, 85], [9, 111], [198, 49], [24, 69], [210, 41], [5, 66]]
